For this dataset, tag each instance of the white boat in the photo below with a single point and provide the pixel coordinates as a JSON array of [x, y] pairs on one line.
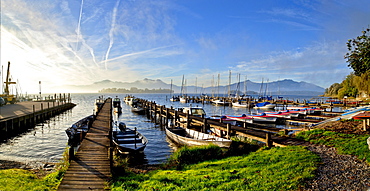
[[195, 111], [242, 118], [195, 138], [98, 103], [183, 99], [262, 118], [220, 102], [264, 105], [223, 119], [117, 105], [240, 104]]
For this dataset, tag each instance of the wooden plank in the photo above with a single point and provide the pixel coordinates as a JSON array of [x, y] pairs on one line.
[[90, 169]]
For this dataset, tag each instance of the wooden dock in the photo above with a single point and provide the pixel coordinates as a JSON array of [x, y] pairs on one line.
[[17, 118], [260, 133], [90, 168]]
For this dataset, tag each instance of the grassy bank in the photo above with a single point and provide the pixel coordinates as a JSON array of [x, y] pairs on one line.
[[267, 169], [19, 179], [345, 143]]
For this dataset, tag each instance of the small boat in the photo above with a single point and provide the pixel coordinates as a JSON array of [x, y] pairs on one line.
[[98, 103], [117, 105], [127, 140], [278, 114], [262, 118], [78, 130], [264, 105], [220, 102], [242, 118], [175, 98], [137, 109], [195, 111], [241, 104], [195, 138], [223, 119]]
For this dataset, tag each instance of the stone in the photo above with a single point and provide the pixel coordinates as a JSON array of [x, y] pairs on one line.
[[368, 142]]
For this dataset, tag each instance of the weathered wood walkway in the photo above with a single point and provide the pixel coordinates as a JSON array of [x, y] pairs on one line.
[[90, 168], [17, 118]]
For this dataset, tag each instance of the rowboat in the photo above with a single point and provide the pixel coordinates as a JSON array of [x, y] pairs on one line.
[[242, 118], [195, 138], [137, 109], [262, 118], [128, 140], [223, 119], [79, 130]]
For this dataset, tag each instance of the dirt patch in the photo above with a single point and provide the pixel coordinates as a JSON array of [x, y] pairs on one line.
[[348, 127]]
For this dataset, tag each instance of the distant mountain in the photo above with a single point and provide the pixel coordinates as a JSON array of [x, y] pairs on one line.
[[285, 87]]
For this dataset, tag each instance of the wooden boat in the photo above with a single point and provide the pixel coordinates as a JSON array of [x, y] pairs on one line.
[[127, 140], [137, 109], [262, 118], [78, 130], [195, 138]]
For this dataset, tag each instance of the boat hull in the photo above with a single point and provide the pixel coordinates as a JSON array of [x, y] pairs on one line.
[[194, 138], [129, 140]]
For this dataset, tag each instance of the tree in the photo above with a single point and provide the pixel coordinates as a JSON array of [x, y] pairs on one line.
[[348, 87], [333, 89], [358, 57]]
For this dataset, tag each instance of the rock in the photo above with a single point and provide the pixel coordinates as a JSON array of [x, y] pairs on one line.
[[368, 142]]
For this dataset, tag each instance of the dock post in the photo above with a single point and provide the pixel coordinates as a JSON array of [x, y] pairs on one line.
[[228, 130], [204, 124], [268, 140], [187, 120], [364, 123], [167, 116]]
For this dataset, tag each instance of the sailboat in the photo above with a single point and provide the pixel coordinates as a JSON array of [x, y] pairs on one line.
[[183, 97]]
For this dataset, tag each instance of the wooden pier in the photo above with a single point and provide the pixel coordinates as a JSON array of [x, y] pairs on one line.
[[17, 118], [90, 168], [162, 115]]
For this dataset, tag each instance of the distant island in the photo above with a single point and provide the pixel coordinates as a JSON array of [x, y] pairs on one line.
[[135, 90]]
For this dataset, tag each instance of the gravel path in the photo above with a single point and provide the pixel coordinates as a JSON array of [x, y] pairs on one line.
[[338, 172]]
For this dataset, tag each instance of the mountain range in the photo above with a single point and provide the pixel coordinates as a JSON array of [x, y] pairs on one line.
[[281, 87]]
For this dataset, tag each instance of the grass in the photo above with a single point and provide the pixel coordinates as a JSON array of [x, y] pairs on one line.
[[19, 179], [350, 144], [280, 168]]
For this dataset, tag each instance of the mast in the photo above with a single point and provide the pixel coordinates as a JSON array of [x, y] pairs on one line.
[[228, 91], [182, 85]]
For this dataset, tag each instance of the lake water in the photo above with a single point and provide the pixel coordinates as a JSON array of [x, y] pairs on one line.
[[47, 142]]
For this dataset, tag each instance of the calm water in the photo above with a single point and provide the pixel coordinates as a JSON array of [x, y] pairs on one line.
[[46, 142]]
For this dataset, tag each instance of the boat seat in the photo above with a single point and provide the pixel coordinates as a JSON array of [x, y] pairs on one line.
[[127, 136], [128, 141]]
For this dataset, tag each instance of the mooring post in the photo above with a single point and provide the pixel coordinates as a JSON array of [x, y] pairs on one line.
[[228, 126], [187, 120], [71, 153], [167, 116], [268, 140], [204, 124], [364, 123]]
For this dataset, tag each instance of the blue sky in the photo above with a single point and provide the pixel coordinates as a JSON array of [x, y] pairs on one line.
[[64, 42]]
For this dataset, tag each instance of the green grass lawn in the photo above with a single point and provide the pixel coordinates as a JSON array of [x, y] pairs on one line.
[[18, 179], [350, 144], [280, 168]]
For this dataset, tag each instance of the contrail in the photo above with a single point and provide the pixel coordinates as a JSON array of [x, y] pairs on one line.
[[79, 24], [111, 40]]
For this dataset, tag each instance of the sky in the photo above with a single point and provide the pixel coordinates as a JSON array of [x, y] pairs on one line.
[[79, 42]]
